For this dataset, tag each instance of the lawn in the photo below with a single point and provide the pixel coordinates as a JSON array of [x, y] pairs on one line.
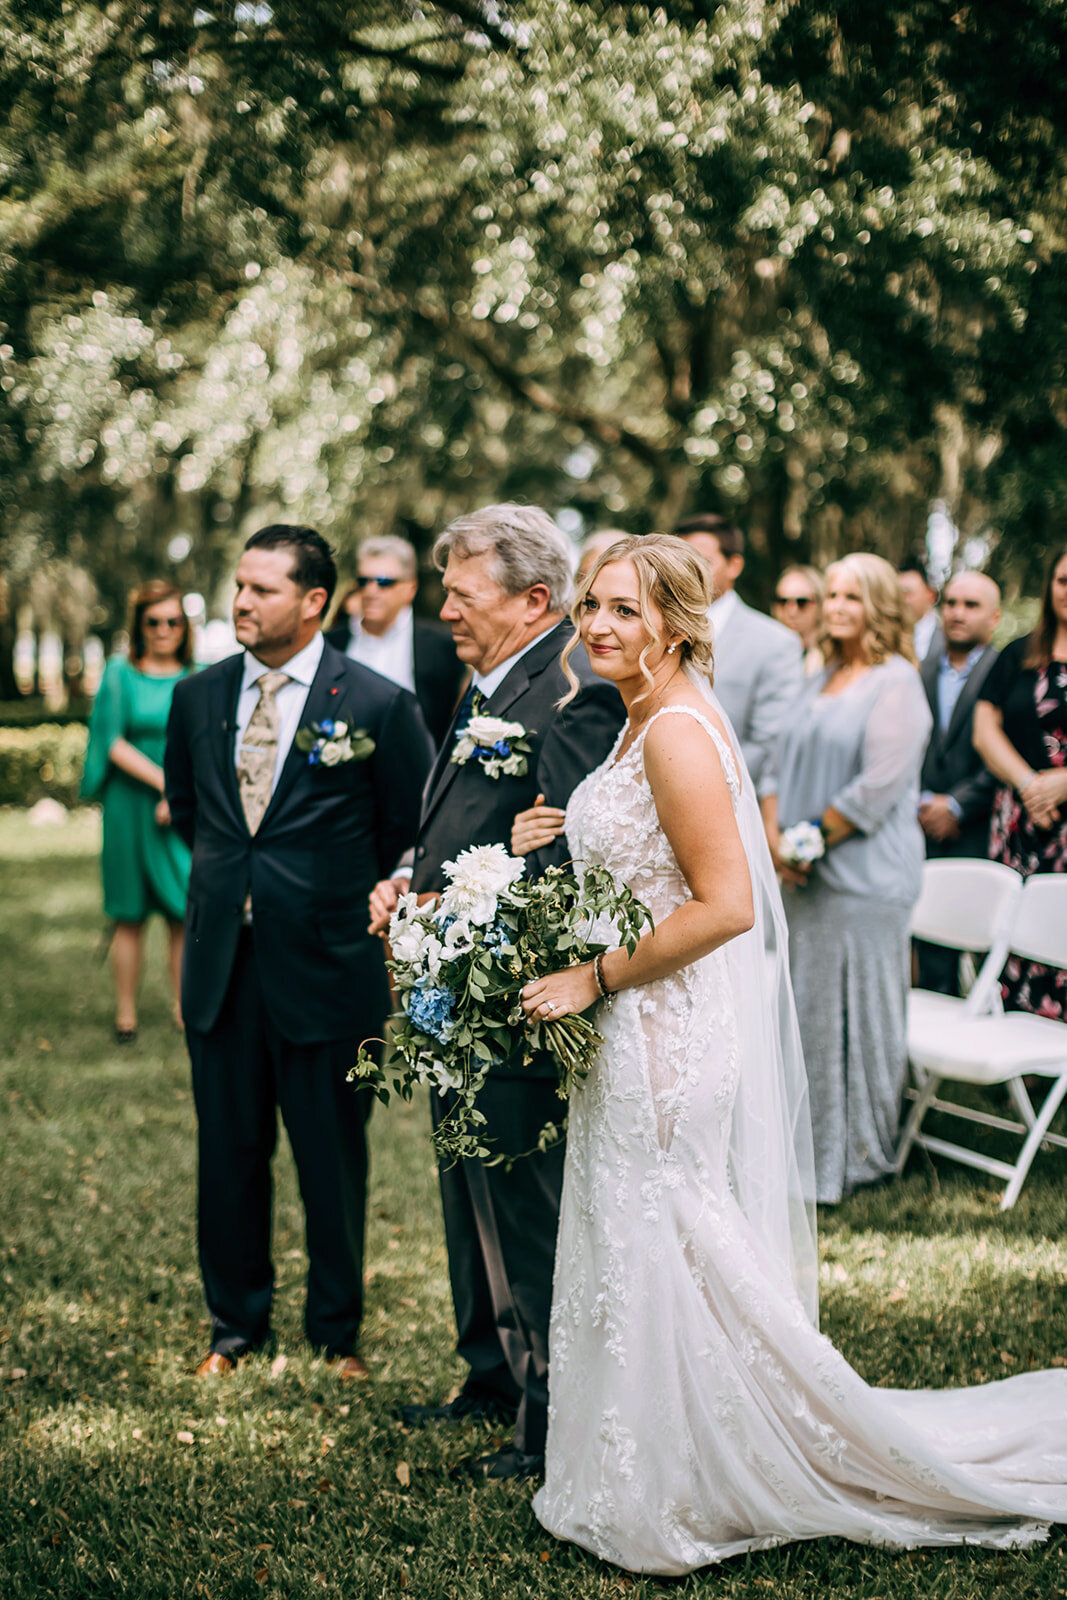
[[122, 1476]]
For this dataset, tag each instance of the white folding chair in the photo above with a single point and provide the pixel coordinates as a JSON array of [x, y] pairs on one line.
[[967, 905], [999, 1049]]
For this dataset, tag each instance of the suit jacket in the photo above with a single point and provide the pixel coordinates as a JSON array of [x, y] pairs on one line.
[[464, 807], [328, 835], [439, 673], [952, 766], [759, 672]]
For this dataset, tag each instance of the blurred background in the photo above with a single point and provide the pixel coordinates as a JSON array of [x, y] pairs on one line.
[[368, 265]]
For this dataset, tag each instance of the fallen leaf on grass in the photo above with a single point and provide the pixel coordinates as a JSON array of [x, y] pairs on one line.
[[262, 1575], [403, 1475], [17, 1373], [185, 1437], [323, 1486], [278, 1366]]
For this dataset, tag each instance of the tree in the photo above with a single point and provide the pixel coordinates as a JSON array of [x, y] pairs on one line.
[[365, 266]]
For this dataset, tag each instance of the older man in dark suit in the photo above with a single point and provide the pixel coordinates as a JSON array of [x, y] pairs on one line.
[[507, 581], [294, 774], [957, 789]]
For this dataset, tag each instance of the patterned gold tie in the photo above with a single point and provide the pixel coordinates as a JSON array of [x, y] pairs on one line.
[[259, 750]]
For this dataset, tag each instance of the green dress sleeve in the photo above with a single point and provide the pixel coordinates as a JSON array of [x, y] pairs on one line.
[[107, 723]]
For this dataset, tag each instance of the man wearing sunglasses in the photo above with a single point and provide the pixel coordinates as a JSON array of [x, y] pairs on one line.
[[386, 636]]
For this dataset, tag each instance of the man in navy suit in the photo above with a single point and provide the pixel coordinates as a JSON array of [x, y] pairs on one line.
[[507, 582], [957, 790], [291, 819]]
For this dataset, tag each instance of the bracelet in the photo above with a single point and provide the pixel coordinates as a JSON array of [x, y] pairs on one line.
[[598, 975]]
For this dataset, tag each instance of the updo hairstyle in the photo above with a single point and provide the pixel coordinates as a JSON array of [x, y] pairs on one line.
[[674, 579]]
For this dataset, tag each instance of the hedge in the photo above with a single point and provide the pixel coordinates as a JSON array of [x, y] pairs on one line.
[[32, 711], [46, 760]]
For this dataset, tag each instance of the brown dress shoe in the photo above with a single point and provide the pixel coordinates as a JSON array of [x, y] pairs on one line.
[[216, 1365], [348, 1368]]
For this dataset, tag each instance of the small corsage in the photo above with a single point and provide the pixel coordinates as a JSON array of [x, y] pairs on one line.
[[501, 748], [333, 744], [803, 844]]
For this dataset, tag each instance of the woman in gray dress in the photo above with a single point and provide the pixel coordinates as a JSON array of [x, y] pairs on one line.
[[849, 761]]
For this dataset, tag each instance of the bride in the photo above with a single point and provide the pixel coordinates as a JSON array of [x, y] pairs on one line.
[[696, 1412]]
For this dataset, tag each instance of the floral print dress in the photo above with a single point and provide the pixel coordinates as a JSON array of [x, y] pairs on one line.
[[1015, 840]]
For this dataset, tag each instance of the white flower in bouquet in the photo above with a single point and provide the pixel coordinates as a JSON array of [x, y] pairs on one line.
[[802, 844], [477, 878], [331, 753], [413, 942], [459, 938], [488, 731]]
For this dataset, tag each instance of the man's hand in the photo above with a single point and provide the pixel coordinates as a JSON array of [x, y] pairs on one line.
[[162, 814], [384, 899], [938, 820]]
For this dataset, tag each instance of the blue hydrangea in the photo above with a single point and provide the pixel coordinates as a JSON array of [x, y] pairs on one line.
[[326, 726], [497, 937], [431, 1011]]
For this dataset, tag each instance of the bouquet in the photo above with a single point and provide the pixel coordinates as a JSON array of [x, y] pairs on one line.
[[803, 843], [459, 966]]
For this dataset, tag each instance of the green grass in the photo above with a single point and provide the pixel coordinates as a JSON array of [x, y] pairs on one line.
[[122, 1476]]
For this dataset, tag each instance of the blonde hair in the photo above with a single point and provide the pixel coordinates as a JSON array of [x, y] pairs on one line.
[[811, 575], [671, 577], [888, 631]]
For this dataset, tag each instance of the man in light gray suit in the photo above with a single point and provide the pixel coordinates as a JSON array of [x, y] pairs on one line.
[[759, 667]]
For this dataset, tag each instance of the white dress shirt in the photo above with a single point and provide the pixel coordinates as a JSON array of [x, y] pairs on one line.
[[290, 698], [392, 654]]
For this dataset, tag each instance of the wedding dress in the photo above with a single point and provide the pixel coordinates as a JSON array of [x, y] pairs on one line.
[[696, 1412]]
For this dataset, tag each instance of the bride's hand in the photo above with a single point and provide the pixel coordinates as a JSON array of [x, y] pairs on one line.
[[536, 828], [561, 993]]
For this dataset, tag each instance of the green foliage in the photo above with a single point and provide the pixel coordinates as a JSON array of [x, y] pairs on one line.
[[291, 1487], [365, 266], [39, 762]]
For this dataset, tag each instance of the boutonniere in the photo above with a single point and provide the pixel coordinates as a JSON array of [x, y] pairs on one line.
[[333, 744], [501, 748]]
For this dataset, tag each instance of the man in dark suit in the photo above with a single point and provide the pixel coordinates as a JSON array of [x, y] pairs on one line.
[[957, 789], [507, 582], [280, 980], [389, 638]]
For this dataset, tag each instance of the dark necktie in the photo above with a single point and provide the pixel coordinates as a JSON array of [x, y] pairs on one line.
[[469, 706]]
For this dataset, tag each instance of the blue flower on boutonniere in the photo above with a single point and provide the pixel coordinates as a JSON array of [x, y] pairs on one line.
[[501, 748], [333, 744]]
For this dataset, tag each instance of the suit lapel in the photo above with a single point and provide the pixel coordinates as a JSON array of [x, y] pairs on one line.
[[226, 692], [969, 693], [321, 702], [928, 671], [515, 684]]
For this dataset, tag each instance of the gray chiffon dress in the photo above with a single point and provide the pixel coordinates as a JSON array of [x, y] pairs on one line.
[[859, 751]]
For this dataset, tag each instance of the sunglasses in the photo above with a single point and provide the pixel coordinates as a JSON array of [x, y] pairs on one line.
[[163, 622], [383, 583], [801, 601]]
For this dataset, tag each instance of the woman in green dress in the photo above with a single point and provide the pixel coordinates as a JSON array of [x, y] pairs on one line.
[[145, 864]]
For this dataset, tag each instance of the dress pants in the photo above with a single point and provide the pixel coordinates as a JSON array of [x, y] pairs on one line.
[[500, 1228], [243, 1072]]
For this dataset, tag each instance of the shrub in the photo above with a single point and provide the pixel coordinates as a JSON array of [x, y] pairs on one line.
[[46, 760], [32, 711]]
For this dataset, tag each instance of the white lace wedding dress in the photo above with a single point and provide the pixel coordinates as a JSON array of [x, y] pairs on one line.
[[696, 1412]]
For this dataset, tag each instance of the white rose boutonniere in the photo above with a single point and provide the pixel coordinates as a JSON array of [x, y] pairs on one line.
[[333, 744], [502, 749]]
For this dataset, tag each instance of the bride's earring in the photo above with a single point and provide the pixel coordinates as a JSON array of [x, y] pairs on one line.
[[671, 648]]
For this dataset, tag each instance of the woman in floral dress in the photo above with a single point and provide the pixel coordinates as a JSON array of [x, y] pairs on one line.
[[1020, 731]]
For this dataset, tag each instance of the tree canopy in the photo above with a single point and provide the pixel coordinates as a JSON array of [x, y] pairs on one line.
[[364, 265]]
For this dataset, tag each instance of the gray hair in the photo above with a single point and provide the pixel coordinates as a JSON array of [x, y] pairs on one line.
[[526, 545], [393, 547]]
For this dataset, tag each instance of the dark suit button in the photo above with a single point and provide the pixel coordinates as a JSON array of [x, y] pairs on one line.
[[421, 851]]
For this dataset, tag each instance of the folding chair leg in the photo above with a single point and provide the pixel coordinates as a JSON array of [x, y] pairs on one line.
[[918, 1111], [1033, 1142], [1021, 1101]]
